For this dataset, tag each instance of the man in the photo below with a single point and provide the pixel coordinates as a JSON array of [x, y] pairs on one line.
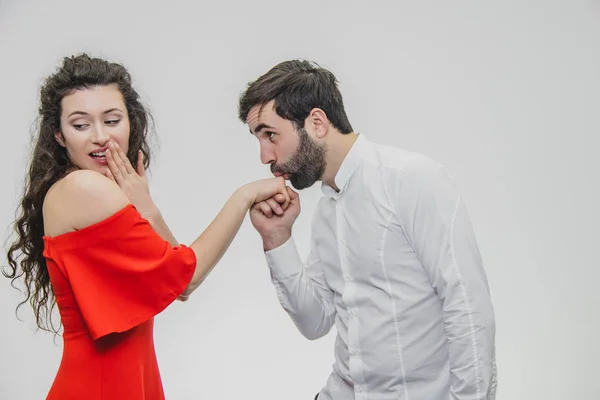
[[394, 262]]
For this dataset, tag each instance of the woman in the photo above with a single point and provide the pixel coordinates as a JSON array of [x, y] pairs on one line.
[[92, 241]]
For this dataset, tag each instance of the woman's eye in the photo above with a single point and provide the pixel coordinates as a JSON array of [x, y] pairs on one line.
[[113, 122], [80, 127]]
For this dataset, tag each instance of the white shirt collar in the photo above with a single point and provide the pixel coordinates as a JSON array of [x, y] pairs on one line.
[[351, 162]]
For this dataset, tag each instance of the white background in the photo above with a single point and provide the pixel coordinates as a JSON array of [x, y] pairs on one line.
[[505, 93]]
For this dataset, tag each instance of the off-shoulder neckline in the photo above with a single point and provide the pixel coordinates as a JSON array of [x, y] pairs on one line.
[[72, 234]]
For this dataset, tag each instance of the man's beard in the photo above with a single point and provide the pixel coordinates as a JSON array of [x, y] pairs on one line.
[[307, 164]]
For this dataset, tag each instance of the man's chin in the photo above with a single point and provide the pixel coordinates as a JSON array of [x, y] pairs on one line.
[[300, 185]]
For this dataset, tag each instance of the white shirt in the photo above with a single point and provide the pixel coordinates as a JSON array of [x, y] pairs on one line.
[[394, 264]]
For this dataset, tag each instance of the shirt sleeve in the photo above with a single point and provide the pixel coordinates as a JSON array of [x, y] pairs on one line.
[[121, 272], [435, 220], [302, 290]]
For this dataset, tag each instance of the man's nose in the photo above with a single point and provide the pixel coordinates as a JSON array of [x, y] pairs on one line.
[[267, 156]]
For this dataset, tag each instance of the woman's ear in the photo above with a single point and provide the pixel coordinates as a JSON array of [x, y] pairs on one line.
[[60, 138]]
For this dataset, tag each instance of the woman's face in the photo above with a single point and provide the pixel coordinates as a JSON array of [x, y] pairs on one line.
[[90, 119]]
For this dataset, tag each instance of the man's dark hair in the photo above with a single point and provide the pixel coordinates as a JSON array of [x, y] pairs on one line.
[[297, 86]]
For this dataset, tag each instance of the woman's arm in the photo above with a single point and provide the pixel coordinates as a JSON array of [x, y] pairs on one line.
[[214, 241], [135, 186]]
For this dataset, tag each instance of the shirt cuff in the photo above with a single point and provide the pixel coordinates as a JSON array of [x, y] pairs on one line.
[[284, 261]]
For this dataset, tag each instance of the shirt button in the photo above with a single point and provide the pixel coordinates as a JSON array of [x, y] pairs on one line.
[[359, 389], [353, 352], [344, 242], [352, 311]]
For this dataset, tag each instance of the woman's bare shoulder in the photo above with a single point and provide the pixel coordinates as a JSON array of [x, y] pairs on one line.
[[80, 199]]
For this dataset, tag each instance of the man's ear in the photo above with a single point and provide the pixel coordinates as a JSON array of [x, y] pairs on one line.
[[60, 138], [318, 122]]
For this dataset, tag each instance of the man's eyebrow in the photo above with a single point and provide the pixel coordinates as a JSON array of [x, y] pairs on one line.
[[259, 128]]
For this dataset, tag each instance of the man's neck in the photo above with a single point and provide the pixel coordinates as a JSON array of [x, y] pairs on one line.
[[338, 147]]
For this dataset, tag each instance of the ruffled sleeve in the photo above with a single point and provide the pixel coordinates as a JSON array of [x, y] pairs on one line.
[[121, 271]]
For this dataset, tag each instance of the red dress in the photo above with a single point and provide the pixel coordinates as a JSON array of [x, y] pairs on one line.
[[110, 280]]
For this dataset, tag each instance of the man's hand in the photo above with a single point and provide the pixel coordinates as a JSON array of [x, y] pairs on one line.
[[275, 229]]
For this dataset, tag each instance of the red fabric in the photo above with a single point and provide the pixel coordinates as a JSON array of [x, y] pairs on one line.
[[110, 280]]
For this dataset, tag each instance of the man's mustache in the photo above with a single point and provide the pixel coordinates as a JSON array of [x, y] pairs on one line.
[[275, 169]]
